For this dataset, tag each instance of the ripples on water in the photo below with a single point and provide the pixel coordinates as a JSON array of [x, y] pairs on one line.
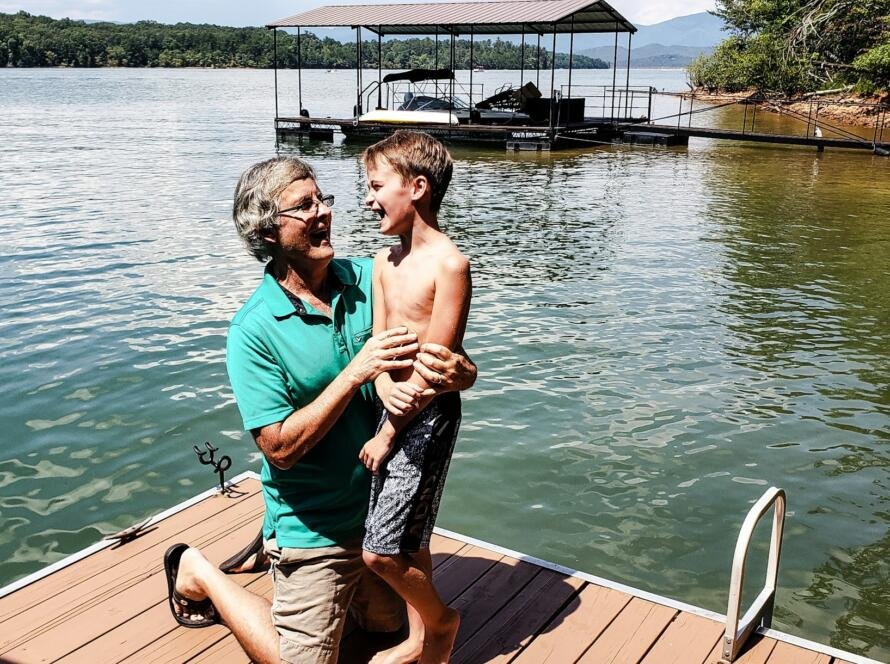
[[661, 336]]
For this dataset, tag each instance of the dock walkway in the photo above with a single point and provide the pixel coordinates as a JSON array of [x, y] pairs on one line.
[[592, 131], [109, 604]]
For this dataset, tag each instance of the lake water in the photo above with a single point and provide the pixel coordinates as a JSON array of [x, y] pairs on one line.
[[661, 335]]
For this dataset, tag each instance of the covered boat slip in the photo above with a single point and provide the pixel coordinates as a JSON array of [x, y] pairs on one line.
[[538, 106], [109, 604]]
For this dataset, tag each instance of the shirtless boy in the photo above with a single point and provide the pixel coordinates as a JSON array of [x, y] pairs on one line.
[[423, 282]]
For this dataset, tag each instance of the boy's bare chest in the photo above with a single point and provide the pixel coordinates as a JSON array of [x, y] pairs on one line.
[[409, 289]]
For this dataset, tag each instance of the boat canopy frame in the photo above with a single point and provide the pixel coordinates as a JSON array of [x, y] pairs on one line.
[[488, 17]]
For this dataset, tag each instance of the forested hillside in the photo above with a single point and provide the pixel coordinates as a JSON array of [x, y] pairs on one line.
[[793, 46], [39, 41]]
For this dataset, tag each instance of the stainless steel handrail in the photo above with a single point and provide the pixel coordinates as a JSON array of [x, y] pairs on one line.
[[761, 611]]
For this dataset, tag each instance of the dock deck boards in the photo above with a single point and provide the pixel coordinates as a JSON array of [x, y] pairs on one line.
[[111, 606]]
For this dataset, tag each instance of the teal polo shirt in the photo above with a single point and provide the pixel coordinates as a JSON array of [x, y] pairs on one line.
[[280, 356]]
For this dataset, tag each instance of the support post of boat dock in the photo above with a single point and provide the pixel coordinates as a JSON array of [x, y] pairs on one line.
[[522, 63], [275, 67], [571, 52], [472, 65], [451, 82], [614, 73], [627, 83], [358, 71], [379, 66], [436, 66], [299, 73], [552, 77], [538, 65]]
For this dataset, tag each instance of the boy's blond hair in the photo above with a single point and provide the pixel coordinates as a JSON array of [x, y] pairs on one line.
[[413, 153]]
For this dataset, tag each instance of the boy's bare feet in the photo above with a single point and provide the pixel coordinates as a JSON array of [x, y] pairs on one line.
[[439, 640], [407, 652]]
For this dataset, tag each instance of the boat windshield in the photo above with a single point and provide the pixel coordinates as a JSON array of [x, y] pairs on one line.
[[426, 103]]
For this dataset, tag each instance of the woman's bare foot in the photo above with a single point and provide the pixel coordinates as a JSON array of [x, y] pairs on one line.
[[187, 583], [439, 640], [407, 652]]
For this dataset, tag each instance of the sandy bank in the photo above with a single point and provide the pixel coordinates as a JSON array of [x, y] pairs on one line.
[[840, 108]]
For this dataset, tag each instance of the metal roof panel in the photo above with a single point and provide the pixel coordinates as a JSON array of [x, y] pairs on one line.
[[485, 17]]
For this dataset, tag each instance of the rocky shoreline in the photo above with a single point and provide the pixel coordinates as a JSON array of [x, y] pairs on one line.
[[845, 108]]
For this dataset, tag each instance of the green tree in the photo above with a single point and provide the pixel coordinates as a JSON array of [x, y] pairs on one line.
[[791, 46], [34, 41]]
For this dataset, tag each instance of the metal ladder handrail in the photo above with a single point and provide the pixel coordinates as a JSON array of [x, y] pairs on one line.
[[761, 611], [370, 89]]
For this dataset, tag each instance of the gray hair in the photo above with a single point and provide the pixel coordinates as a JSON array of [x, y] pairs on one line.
[[255, 210]]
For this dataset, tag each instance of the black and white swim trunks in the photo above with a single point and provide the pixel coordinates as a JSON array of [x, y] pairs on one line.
[[405, 495]]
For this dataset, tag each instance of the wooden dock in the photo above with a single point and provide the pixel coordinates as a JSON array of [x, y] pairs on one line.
[[109, 604], [760, 137], [593, 131]]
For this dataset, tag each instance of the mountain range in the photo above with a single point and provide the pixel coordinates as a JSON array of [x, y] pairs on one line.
[[672, 43]]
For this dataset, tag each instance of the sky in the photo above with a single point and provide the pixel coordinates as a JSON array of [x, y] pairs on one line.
[[239, 13]]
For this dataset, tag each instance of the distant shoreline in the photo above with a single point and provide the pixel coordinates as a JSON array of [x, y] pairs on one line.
[[190, 67], [39, 41], [848, 108]]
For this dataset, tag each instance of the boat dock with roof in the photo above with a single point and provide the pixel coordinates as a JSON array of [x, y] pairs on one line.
[[108, 603], [514, 116], [535, 115]]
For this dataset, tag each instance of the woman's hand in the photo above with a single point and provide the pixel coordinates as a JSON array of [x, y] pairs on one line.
[[380, 353], [444, 370], [404, 398]]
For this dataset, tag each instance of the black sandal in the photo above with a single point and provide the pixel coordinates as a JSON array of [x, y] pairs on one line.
[[255, 548]]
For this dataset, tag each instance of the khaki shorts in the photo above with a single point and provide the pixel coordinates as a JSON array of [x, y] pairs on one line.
[[314, 590]]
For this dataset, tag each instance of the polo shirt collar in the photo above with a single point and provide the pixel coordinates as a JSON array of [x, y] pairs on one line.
[[346, 272], [281, 306]]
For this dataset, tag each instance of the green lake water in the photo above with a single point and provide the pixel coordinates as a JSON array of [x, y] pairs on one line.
[[661, 335]]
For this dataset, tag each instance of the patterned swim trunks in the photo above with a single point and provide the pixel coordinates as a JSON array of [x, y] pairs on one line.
[[405, 494]]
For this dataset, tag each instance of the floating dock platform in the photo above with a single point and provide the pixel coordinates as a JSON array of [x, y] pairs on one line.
[[109, 604], [591, 131], [512, 137]]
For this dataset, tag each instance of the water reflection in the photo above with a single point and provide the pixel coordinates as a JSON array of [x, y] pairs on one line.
[[863, 618], [809, 338], [661, 334]]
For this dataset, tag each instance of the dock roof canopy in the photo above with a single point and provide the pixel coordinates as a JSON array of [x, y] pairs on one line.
[[483, 18]]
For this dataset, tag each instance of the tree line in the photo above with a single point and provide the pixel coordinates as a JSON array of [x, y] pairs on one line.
[[40, 41], [793, 46]]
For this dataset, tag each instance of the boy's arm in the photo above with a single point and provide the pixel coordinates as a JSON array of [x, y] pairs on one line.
[[383, 383], [448, 322]]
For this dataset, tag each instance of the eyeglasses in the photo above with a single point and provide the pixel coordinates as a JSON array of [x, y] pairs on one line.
[[306, 207]]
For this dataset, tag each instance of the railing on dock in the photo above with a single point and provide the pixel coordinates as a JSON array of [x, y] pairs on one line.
[[815, 129], [613, 103]]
